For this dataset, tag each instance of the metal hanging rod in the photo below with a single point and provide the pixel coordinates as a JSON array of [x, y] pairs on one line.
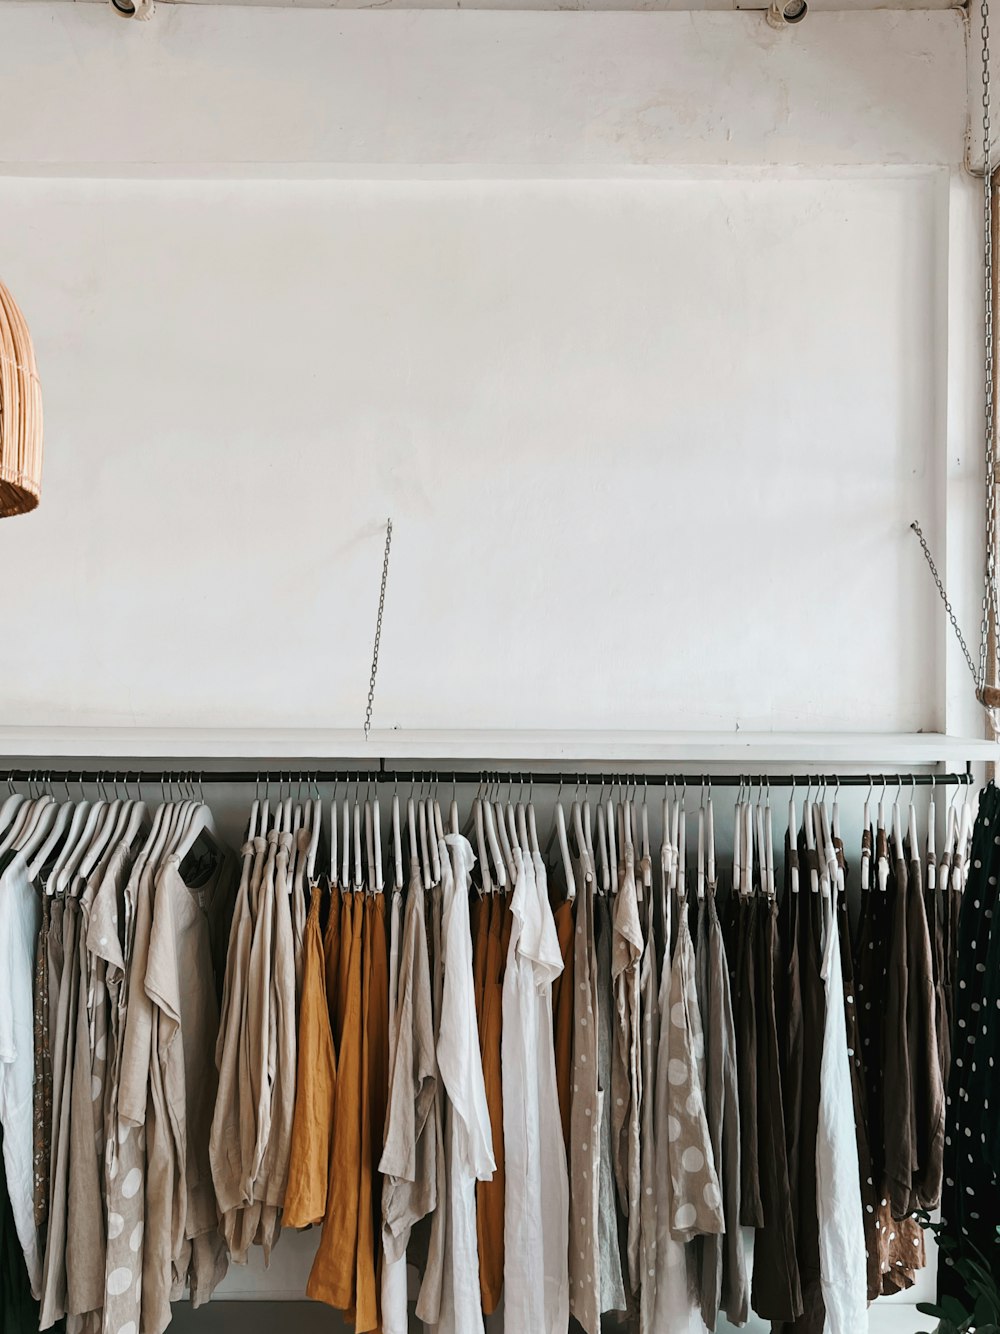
[[537, 778]]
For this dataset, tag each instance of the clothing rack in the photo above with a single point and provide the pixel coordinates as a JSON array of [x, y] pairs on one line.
[[534, 777]]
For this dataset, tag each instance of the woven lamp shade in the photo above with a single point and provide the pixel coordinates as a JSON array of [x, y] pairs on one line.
[[20, 413]]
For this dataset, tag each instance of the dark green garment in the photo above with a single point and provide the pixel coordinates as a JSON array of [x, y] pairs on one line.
[[970, 1205], [18, 1309]]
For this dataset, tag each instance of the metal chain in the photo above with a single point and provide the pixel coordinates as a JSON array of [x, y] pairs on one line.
[[990, 605], [944, 598], [378, 629], [991, 598]]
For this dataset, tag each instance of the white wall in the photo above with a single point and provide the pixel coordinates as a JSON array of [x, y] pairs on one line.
[[647, 446], [644, 434]]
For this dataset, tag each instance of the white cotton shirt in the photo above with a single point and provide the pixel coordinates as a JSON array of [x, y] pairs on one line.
[[536, 1191], [468, 1138], [20, 919], [843, 1267]]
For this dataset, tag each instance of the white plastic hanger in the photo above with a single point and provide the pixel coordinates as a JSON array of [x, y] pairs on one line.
[[152, 835], [107, 828], [793, 840], [68, 871], [434, 829], [588, 825], [602, 849], [911, 823], [532, 827], [883, 860], [808, 825], [158, 845], [710, 836], [897, 826], [682, 854], [203, 822], [438, 830], [359, 871], [960, 869], [508, 853], [866, 830], [522, 829], [510, 818], [629, 833], [315, 830], [30, 816], [647, 860], [10, 806], [567, 860], [969, 812], [425, 856], [499, 869], [36, 835], [931, 835], [370, 876], [479, 821], [701, 847], [665, 872], [951, 835], [675, 828], [397, 844], [58, 830], [738, 887], [377, 836], [345, 876], [22, 819], [613, 862], [769, 844], [334, 830], [758, 817], [111, 825], [748, 842], [411, 826]]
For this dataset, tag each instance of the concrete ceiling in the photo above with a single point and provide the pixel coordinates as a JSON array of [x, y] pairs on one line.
[[814, 5]]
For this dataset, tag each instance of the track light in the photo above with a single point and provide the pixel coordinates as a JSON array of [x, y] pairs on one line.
[[781, 15]]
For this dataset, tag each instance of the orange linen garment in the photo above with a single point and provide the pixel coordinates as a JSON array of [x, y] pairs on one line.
[[315, 1087], [344, 1270]]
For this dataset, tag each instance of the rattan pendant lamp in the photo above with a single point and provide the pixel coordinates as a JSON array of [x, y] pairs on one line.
[[20, 413]]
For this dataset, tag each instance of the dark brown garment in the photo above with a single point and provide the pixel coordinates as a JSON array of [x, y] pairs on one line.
[[719, 1260], [777, 1292], [900, 1153], [743, 910], [936, 907], [899, 1244], [869, 1195], [807, 1014], [925, 1061], [562, 1010], [913, 1112], [42, 1088]]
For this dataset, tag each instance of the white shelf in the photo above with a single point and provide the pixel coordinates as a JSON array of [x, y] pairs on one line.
[[621, 748]]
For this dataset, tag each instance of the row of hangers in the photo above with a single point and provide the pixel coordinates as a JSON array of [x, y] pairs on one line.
[[76, 833], [64, 841]]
